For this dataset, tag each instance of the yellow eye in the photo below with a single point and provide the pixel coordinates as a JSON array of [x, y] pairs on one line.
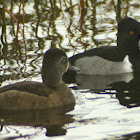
[[131, 32]]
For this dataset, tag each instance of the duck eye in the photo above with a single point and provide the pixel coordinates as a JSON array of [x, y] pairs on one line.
[[131, 32], [64, 58]]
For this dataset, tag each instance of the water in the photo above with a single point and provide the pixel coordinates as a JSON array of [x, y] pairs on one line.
[[106, 108]]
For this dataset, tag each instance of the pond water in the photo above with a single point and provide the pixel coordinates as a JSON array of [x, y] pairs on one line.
[[107, 107]]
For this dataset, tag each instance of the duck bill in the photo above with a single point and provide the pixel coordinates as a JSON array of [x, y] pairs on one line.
[[73, 68]]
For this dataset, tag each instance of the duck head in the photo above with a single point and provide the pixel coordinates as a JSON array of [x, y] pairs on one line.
[[55, 64], [128, 35]]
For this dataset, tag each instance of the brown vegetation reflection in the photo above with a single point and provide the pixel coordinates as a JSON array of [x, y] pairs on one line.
[[29, 27]]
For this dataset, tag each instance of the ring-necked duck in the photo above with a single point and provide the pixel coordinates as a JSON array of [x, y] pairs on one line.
[[53, 92], [123, 58]]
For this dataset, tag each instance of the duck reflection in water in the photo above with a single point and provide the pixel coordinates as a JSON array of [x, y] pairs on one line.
[[53, 120], [100, 82], [128, 94]]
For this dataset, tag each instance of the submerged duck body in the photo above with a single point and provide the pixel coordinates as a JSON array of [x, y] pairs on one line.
[[53, 92], [123, 58]]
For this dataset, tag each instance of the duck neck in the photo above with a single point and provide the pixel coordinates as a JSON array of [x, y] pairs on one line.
[[51, 77], [127, 45]]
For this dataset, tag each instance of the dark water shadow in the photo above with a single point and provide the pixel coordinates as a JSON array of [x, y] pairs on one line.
[[131, 136], [128, 94]]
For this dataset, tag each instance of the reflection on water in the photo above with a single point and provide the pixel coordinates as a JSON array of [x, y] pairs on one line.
[[74, 26], [100, 82], [53, 120], [128, 94]]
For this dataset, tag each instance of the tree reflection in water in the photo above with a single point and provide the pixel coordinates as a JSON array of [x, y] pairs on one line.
[[46, 24]]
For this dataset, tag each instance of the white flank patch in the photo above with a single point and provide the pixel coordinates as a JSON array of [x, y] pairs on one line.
[[96, 65]]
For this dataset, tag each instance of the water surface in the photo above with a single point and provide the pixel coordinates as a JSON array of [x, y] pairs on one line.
[[107, 107]]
